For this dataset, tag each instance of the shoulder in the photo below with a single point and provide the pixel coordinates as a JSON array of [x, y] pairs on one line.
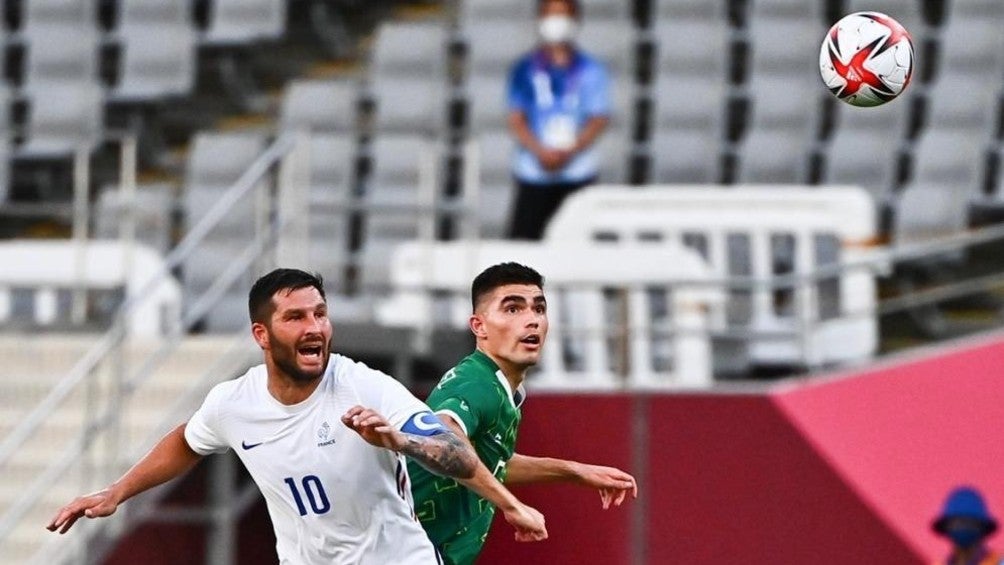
[[348, 368], [233, 390], [591, 67], [523, 64]]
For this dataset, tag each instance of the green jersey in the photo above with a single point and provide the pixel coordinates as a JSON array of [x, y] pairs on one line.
[[477, 395]]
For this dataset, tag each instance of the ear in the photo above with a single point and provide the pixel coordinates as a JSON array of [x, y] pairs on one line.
[[260, 334], [477, 325]]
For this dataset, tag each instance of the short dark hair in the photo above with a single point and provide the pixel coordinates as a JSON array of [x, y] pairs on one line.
[[501, 275], [574, 4], [260, 305]]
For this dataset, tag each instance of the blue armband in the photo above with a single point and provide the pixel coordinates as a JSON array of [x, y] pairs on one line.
[[424, 424]]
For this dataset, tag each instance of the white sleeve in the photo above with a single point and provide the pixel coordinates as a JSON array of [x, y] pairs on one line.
[[390, 398], [203, 431]]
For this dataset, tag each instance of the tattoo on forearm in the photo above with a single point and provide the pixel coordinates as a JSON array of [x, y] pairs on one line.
[[443, 454]]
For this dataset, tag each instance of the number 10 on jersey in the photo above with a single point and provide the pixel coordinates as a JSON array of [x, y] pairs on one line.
[[315, 494]]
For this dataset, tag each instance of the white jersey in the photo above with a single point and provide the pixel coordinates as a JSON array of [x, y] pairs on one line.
[[332, 497]]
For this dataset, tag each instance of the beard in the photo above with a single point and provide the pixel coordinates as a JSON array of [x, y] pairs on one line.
[[285, 359]]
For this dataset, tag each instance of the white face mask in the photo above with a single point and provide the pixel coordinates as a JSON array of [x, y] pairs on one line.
[[557, 29]]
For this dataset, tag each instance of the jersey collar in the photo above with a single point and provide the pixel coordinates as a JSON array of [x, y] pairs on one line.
[[515, 398]]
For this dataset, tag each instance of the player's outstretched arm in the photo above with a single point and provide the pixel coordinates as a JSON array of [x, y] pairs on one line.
[[449, 455], [612, 483], [170, 458]]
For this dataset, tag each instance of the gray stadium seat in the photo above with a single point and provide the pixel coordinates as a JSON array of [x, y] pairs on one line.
[[594, 10], [672, 9], [785, 46], [158, 61], [496, 150], [391, 201], [237, 22], [693, 46], [60, 52], [785, 101], [142, 12], [410, 49], [972, 45], [319, 105], [473, 11], [690, 155], [613, 43], [493, 46], [951, 157], [613, 151], [989, 8], [58, 12], [773, 155], [332, 165], [864, 157], [787, 8], [409, 104], [487, 107], [154, 207], [963, 101], [906, 12], [332, 158], [690, 101], [926, 211], [220, 159], [62, 117]]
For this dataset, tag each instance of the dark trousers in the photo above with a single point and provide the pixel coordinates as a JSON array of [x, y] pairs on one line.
[[536, 203]]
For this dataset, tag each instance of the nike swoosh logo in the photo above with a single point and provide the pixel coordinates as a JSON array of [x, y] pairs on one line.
[[247, 445]]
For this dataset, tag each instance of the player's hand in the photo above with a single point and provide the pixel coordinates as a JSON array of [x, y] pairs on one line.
[[95, 505], [613, 484], [552, 159], [373, 428], [529, 523]]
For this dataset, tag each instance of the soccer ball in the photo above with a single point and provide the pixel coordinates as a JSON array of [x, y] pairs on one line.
[[866, 59]]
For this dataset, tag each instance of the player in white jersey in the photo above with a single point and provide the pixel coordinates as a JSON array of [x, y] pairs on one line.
[[334, 496]]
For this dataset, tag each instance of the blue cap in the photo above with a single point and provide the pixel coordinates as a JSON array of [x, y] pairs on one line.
[[965, 502]]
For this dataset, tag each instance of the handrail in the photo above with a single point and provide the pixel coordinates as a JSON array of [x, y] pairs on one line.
[[10, 444]]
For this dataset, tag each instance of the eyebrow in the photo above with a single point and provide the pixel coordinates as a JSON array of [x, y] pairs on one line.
[[519, 299]]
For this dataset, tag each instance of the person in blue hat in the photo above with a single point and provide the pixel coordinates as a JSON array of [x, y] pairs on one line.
[[967, 523]]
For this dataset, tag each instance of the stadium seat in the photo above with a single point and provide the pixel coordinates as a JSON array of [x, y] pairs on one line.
[[409, 49], [157, 62], [785, 45], [60, 52], [793, 102], [613, 43], [968, 101], [495, 197], [71, 12], [989, 8], [613, 151], [690, 101], [787, 8], [926, 211], [143, 12], [153, 208], [494, 45], [774, 155], [906, 12], [332, 162], [241, 22], [692, 46], [863, 157], [319, 105], [395, 202], [409, 104], [951, 157], [474, 11], [619, 10], [972, 45], [62, 118], [672, 9], [486, 102], [686, 155]]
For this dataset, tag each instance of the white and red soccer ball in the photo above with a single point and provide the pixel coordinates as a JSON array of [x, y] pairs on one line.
[[866, 59]]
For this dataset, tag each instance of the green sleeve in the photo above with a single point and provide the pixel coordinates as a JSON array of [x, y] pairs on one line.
[[471, 400]]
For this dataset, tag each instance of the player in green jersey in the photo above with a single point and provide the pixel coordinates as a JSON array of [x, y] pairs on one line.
[[480, 400]]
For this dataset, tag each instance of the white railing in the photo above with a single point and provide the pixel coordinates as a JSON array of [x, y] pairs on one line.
[[776, 231], [660, 340]]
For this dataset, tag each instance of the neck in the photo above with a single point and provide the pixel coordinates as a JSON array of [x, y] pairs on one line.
[[513, 373], [285, 388], [559, 53]]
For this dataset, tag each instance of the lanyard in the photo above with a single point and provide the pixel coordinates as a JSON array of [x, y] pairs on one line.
[[543, 87]]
